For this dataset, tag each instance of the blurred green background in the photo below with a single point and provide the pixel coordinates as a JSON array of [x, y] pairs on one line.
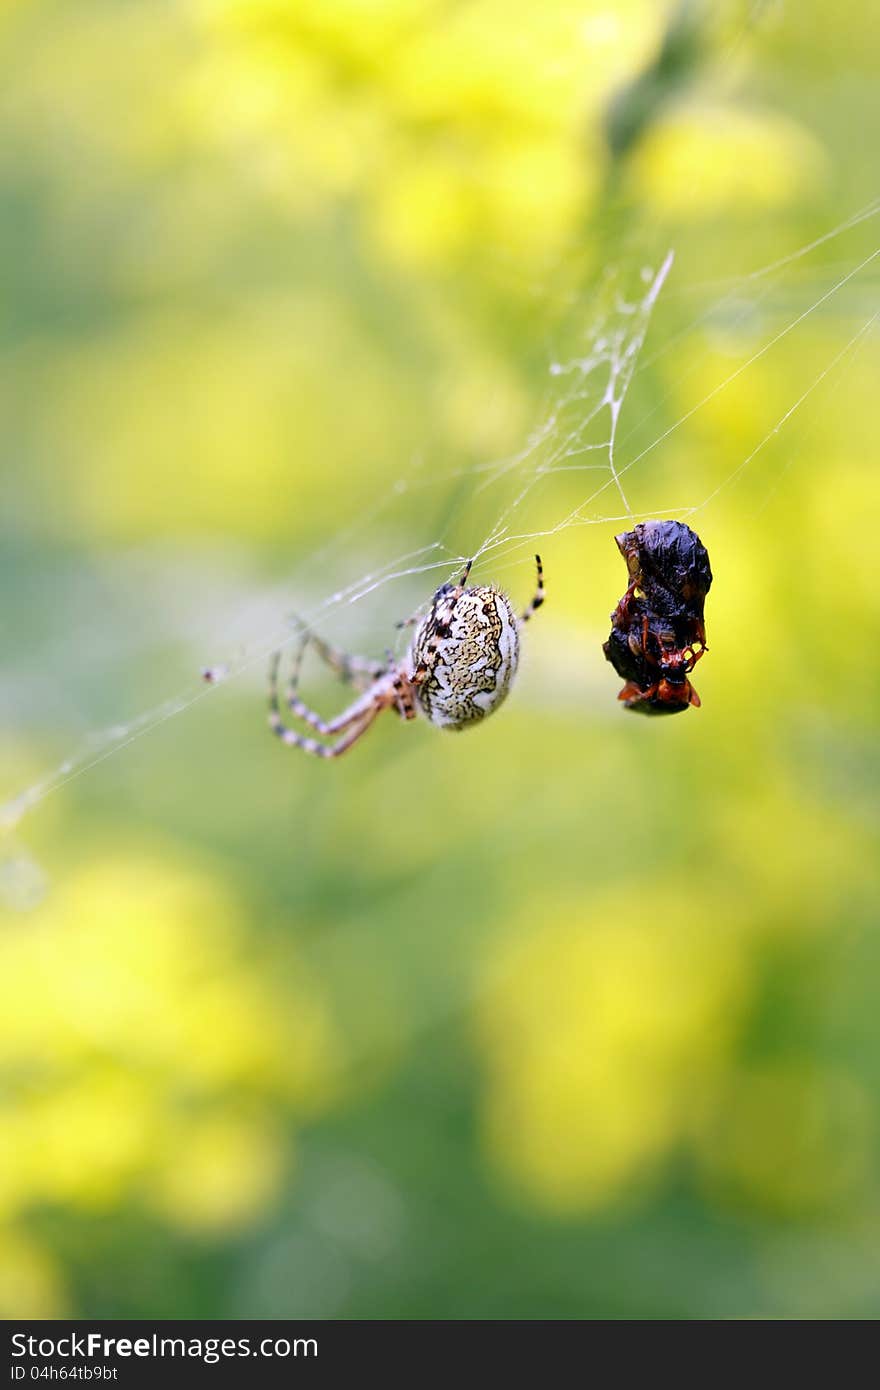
[[573, 1016]]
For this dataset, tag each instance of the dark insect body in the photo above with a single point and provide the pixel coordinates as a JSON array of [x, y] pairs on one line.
[[658, 631]]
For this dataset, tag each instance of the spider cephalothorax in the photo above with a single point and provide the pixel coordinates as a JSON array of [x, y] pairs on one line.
[[459, 668]]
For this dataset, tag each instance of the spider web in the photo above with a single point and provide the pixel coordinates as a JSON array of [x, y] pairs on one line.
[[593, 432]]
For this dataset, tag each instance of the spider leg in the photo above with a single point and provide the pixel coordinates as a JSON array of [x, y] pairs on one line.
[[539, 593], [352, 715], [403, 692], [358, 671], [464, 578], [355, 670], [379, 697], [323, 750]]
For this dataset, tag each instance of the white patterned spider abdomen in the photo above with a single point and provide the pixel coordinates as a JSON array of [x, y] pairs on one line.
[[464, 655]]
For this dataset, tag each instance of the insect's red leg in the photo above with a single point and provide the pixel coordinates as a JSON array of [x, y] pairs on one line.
[[632, 692]]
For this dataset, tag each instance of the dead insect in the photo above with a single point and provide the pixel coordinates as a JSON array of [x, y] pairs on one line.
[[658, 631]]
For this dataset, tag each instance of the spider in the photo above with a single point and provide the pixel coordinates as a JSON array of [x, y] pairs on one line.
[[459, 668], [658, 632]]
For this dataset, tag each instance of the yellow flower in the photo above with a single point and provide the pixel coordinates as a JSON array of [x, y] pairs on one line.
[[603, 1037]]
